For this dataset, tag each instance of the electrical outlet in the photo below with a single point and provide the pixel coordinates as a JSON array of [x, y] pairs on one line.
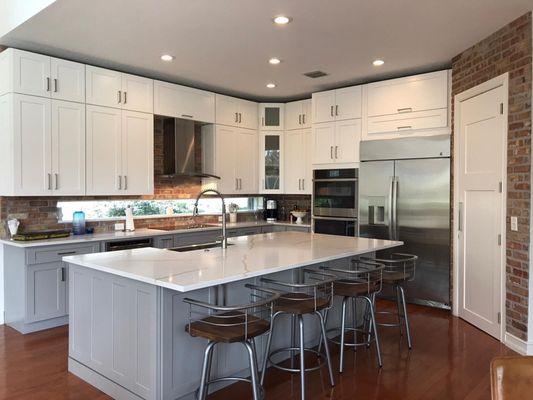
[[514, 223], [119, 227]]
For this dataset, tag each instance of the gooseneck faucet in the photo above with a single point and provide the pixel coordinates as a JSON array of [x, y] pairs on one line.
[[195, 213]]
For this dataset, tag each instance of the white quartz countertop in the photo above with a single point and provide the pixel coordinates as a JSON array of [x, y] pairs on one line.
[[247, 257], [138, 234]]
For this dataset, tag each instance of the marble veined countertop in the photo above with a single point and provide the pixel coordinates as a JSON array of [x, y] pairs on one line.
[[247, 257]]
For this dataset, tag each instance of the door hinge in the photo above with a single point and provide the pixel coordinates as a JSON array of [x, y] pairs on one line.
[[501, 108], [499, 318], [499, 240], [500, 187]]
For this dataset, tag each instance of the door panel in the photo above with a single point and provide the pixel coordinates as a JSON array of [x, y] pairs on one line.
[[31, 73], [227, 110], [247, 114], [423, 224], [375, 189], [225, 159], [68, 80], [46, 292], [68, 148], [294, 159], [323, 143], [347, 138], [481, 170], [323, 106], [103, 86], [348, 103], [137, 153], [293, 115], [138, 93], [104, 148], [33, 145], [247, 160]]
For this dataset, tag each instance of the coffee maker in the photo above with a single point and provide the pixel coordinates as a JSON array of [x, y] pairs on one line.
[[271, 211]]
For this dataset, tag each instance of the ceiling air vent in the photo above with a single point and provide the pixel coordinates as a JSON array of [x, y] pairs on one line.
[[315, 74]]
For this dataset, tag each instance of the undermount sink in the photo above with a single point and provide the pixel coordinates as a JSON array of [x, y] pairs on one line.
[[205, 246]]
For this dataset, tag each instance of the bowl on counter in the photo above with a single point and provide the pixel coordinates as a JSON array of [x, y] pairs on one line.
[[299, 215]]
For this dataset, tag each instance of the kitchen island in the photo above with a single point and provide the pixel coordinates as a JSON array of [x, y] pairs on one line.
[[127, 317]]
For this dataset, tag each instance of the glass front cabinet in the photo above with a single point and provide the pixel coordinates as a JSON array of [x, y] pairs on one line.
[[271, 162], [271, 116]]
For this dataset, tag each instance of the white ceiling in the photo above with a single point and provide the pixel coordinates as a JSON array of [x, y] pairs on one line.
[[224, 45]]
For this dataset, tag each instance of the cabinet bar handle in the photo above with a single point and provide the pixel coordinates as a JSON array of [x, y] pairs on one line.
[[66, 253], [55, 85], [187, 115], [404, 127], [63, 277], [56, 176], [331, 152], [299, 184], [240, 118], [303, 184], [406, 109], [303, 119], [236, 184], [47, 84], [125, 182], [336, 151], [300, 119], [331, 111], [49, 181], [119, 182], [125, 97], [119, 96], [236, 117], [337, 109]]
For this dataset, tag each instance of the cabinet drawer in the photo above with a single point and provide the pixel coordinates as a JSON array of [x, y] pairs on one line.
[[244, 231], [43, 255], [187, 239], [408, 121], [164, 242]]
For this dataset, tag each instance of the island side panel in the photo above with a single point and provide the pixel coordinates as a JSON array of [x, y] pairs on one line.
[[114, 329]]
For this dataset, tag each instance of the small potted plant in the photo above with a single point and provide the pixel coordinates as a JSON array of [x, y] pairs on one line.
[[233, 208]]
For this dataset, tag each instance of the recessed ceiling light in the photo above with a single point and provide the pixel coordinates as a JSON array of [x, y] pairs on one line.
[[274, 61], [378, 63], [271, 85], [167, 57], [282, 20]]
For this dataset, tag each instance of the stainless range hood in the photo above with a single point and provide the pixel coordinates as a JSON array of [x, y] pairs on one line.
[[182, 148]]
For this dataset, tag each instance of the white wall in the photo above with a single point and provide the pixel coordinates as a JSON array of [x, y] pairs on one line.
[[15, 12]]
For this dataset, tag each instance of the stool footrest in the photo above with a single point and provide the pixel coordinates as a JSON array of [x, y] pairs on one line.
[[319, 355], [346, 344]]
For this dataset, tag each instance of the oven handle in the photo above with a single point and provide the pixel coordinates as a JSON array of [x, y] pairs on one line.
[[336, 218], [336, 180]]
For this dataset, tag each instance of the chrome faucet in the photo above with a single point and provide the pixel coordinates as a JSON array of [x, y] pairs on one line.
[[195, 213]]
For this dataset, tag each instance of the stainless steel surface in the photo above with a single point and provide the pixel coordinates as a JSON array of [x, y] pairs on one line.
[[128, 244], [409, 200], [193, 247], [405, 148], [224, 243], [335, 193], [335, 212], [335, 218]]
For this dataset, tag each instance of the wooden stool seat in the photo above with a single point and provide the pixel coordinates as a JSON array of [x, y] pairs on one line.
[[210, 327], [349, 288], [300, 303], [395, 277]]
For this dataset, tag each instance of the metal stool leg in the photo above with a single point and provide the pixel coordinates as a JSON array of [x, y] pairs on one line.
[[253, 370], [354, 322], [343, 330], [406, 319], [399, 307], [206, 369], [320, 339], [267, 350], [375, 330], [326, 347], [302, 356], [293, 338], [368, 321]]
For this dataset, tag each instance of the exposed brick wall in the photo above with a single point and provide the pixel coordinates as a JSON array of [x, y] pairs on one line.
[[509, 50]]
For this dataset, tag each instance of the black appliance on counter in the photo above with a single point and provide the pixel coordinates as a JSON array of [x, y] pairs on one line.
[[271, 211], [335, 193]]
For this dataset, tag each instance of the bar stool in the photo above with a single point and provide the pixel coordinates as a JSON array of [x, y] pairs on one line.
[[399, 268], [313, 295], [232, 324], [362, 281]]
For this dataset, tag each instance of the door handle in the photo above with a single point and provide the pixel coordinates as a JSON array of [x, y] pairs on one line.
[[390, 216], [303, 184], [331, 111], [47, 84], [336, 152], [331, 152], [300, 119], [125, 97], [240, 118], [56, 176], [299, 184], [337, 109], [460, 217], [49, 181], [303, 119], [119, 182], [187, 116], [236, 117], [404, 127], [406, 109], [395, 207], [63, 274], [236, 183], [119, 96], [125, 182], [55, 85]]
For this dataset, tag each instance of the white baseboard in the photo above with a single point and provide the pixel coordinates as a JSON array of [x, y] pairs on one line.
[[520, 346]]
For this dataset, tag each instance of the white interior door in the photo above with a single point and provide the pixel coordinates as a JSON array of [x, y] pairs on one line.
[[137, 153], [482, 141], [68, 148]]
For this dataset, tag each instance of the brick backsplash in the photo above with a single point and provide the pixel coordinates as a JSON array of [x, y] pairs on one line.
[[509, 50]]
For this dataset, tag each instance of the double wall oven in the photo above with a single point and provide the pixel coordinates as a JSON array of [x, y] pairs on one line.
[[335, 201]]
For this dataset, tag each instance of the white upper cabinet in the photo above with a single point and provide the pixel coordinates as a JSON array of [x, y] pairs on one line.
[[411, 94], [246, 167], [68, 80], [183, 102], [110, 88], [37, 75], [119, 152], [336, 105], [337, 142], [298, 115], [68, 148], [298, 168], [236, 112], [103, 87], [271, 116], [137, 93]]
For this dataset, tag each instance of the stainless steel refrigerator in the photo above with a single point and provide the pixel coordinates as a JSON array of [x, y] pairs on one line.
[[404, 194]]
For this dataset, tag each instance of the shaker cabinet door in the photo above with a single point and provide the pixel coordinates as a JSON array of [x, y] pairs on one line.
[[137, 93], [68, 80], [46, 291], [323, 143], [31, 73], [103, 87]]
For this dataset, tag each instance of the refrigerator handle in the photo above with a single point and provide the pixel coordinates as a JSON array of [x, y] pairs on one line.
[[391, 208], [394, 208]]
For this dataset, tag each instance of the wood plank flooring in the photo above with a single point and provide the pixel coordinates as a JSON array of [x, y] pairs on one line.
[[450, 360]]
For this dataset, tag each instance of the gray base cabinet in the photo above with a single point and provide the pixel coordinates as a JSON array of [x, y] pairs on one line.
[[36, 285]]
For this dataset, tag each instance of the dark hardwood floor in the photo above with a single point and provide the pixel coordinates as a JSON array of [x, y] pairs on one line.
[[450, 360]]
